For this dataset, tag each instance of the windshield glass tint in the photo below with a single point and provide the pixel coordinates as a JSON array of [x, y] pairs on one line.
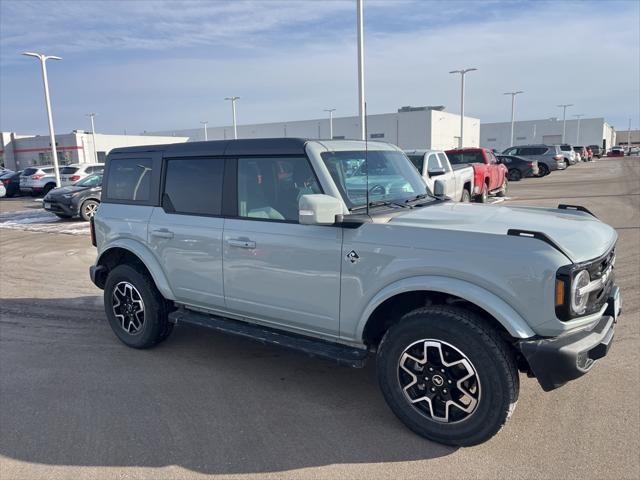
[[391, 176], [461, 158], [90, 181]]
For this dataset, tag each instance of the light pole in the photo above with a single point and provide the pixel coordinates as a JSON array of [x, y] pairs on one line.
[[360, 34], [513, 109], [462, 73], [233, 109], [564, 118], [43, 58], [205, 130], [578, 116], [93, 135], [629, 137], [330, 110]]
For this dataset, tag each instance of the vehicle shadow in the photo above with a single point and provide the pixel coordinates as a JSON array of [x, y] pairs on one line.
[[72, 394]]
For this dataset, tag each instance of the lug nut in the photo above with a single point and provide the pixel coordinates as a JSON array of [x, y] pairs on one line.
[[426, 379], [433, 389], [444, 390], [442, 370], [431, 369], [449, 382], [421, 386]]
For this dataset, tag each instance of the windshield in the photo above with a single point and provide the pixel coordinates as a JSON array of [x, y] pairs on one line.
[[461, 158], [391, 176], [90, 181]]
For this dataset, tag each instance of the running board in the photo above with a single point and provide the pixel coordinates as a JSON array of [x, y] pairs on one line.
[[342, 354]]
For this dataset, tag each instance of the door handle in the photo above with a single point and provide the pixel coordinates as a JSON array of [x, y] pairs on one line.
[[240, 243], [164, 233]]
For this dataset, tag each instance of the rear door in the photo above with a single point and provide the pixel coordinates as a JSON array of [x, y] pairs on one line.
[[276, 270], [185, 231]]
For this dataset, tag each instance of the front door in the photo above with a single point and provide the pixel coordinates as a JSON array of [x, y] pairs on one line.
[[276, 270], [185, 233]]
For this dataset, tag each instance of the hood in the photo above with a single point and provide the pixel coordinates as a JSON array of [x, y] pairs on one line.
[[581, 236], [56, 192]]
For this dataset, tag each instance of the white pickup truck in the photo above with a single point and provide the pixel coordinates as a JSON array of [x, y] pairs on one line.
[[434, 164]]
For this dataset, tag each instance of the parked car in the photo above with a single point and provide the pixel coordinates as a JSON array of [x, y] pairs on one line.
[[549, 157], [633, 151], [589, 154], [434, 164], [452, 299], [37, 180], [3, 190], [70, 174], [616, 152], [81, 199], [597, 150], [490, 177], [4, 171], [569, 154], [518, 167], [581, 153], [11, 182]]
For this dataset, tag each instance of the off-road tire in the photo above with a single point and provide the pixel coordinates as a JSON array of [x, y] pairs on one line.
[[485, 349], [156, 326]]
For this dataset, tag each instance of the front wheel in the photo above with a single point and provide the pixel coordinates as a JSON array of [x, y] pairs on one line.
[[137, 312], [466, 196], [515, 175], [448, 376], [88, 209]]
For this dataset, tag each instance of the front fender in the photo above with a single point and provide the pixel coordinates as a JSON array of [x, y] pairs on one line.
[[148, 259], [494, 305]]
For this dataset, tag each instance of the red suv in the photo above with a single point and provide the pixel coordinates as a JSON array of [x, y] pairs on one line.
[[490, 177]]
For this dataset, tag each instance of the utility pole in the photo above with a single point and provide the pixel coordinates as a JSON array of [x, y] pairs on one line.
[[513, 107], [564, 118], [330, 110], [233, 110], [54, 153], [578, 116], [360, 35], [93, 136], [205, 130], [462, 73], [629, 138]]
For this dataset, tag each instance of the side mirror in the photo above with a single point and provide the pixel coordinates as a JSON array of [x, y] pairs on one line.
[[438, 188], [318, 209], [435, 172]]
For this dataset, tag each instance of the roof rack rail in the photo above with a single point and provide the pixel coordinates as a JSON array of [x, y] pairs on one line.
[[579, 208]]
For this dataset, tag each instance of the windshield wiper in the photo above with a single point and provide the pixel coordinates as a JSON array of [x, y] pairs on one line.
[[380, 203], [421, 196]]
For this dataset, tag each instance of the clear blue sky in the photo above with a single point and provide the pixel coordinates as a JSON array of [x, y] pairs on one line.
[[155, 65]]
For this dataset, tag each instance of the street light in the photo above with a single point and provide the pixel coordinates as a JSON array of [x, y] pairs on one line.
[[93, 135], [330, 110], [513, 107], [564, 117], [233, 109], [579, 116], [205, 130], [462, 72], [43, 58], [360, 35]]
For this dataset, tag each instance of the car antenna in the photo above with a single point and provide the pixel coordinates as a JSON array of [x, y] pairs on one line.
[[366, 155]]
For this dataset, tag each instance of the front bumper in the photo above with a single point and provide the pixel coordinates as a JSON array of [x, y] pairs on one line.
[[56, 205], [556, 361]]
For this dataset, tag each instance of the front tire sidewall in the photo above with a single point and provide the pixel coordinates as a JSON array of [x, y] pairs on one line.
[[498, 390], [155, 311], [84, 215]]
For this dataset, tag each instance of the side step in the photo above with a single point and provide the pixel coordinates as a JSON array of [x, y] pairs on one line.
[[342, 354]]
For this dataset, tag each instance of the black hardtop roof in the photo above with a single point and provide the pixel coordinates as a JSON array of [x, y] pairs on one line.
[[254, 146]]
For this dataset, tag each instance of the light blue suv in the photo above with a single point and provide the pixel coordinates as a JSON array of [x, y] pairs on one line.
[[338, 249]]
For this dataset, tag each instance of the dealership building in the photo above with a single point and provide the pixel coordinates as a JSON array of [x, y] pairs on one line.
[[20, 151], [409, 128], [591, 131]]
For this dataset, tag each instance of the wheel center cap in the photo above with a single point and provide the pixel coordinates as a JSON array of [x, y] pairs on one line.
[[437, 380]]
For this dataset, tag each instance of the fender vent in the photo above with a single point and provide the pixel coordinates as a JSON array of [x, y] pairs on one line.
[[514, 232]]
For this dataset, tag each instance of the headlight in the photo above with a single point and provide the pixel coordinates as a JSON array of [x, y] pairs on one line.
[[579, 302], [68, 195]]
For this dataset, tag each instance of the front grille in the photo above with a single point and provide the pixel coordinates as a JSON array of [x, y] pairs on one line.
[[603, 265]]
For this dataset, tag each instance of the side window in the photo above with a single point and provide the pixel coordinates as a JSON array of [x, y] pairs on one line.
[[444, 163], [539, 151], [491, 157], [130, 179], [418, 161], [432, 163], [269, 188], [512, 151], [505, 159], [193, 186]]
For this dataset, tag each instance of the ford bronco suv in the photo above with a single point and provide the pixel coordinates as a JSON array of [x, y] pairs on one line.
[[338, 249]]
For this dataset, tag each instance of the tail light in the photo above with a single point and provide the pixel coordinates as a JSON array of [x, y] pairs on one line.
[[531, 164], [74, 178], [558, 158], [37, 176], [92, 229]]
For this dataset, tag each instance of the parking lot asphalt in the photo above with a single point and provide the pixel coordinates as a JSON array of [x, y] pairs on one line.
[[76, 403]]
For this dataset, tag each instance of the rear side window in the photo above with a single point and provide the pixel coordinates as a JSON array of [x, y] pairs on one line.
[[193, 186], [130, 179], [69, 170], [29, 171], [461, 158], [418, 161], [443, 161], [432, 163]]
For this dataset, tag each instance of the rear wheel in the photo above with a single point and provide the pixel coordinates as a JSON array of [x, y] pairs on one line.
[[137, 312], [504, 189], [447, 375], [515, 175], [484, 195], [466, 196], [543, 170], [48, 187], [88, 209]]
